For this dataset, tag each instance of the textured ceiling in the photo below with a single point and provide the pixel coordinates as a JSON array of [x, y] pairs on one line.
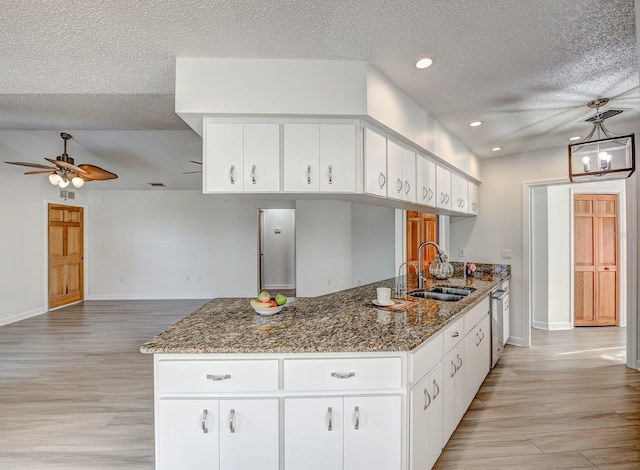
[[104, 71]]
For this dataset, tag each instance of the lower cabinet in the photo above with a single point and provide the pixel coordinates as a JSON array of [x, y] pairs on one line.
[[426, 408], [477, 350], [216, 434], [350, 433]]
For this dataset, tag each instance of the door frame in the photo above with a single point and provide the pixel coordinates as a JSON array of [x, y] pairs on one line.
[[632, 242], [85, 263]]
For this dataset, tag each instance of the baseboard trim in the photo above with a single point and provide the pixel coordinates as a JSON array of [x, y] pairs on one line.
[[22, 316], [540, 325], [515, 341]]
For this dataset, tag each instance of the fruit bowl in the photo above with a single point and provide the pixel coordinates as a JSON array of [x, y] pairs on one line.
[[267, 310]]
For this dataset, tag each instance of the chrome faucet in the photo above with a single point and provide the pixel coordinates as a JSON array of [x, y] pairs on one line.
[[399, 289], [439, 257]]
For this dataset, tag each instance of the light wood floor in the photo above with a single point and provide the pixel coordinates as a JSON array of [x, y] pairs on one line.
[[75, 393]]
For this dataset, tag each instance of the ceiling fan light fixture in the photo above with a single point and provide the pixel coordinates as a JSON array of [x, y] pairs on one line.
[[54, 179], [64, 182], [77, 182]]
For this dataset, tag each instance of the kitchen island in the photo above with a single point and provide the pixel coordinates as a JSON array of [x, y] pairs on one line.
[[330, 382]]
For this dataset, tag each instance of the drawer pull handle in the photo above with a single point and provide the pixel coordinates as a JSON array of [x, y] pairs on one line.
[[342, 375], [455, 334], [479, 340], [232, 415], [233, 181], [430, 193], [203, 421], [424, 192], [330, 417], [454, 369], [253, 174], [427, 399], [382, 180], [459, 366], [408, 186], [436, 387], [356, 411], [330, 174], [308, 174], [217, 378]]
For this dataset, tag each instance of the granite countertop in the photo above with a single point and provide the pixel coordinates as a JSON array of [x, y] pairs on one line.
[[344, 321]]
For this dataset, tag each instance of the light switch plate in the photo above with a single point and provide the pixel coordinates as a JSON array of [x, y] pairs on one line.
[[505, 253]]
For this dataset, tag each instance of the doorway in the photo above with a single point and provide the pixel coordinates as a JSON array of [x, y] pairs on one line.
[[421, 227], [65, 255], [276, 251]]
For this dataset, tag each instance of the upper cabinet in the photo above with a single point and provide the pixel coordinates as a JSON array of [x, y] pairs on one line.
[[319, 157], [340, 158], [426, 181], [443, 185], [241, 157], [459, 193]]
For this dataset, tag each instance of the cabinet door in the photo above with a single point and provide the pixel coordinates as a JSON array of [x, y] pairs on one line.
[[459, 194], [408, 175], [249, 434], [223, 157], [443, 186], [477, 351], [394, 171], [337, 158], [453, 390], [301, 148], [372, 430], [187, 435], [261, 157], [473, 198], [506, 323], [375, 163], [313, 433], [426, 420], [426, 181]]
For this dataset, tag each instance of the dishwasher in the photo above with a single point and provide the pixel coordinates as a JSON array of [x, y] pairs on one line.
[[499, 324]]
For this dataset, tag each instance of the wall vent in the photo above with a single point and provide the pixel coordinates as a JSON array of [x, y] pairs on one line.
[[64, 194]]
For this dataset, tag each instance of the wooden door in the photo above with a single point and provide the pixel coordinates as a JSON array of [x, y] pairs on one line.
[[65, 255], [421, 227], [595, 260]]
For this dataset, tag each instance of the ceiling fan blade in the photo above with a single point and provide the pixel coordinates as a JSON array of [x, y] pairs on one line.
[[191, 172], [40, 172], [66, 165], [32, 165], [94, 173], [197, 163]]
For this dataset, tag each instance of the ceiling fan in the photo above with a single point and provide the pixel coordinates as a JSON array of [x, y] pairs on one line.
[[65, 171], [191, 172]]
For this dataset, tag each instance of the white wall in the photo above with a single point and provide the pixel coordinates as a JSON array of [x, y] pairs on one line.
[[372, 243], [559, 258]]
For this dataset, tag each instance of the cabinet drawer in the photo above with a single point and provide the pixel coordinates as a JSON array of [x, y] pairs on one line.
[[453, 334], [425, 357], [476, 314], [342, 374], [217, 376]]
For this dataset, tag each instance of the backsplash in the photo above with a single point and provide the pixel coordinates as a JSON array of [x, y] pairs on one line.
[[502, 270]]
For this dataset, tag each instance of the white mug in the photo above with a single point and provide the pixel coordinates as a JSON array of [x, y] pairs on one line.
[[384, 295]]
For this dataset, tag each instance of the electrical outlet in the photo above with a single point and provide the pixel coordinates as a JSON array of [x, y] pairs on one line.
[[461, 252], [505, 253]]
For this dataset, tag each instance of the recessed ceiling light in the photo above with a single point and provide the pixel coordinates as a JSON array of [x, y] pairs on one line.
[[424, 63], [495, 149], [475, 123], [575, 137]]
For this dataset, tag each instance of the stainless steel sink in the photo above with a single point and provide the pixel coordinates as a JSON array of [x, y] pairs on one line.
[[447, 294]]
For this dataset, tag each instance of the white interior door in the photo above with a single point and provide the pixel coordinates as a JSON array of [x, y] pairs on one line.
[[278, 249]]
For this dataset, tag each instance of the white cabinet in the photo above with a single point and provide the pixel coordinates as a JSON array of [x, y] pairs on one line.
[[350, 433], [375, 163], [506, 312], [473, 198], [425, 181], [215, 434], [241, 157], [443, 186], [454, 392], [319, 157], [401, 171], [426, 408], [477, 351], [459, 193]]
